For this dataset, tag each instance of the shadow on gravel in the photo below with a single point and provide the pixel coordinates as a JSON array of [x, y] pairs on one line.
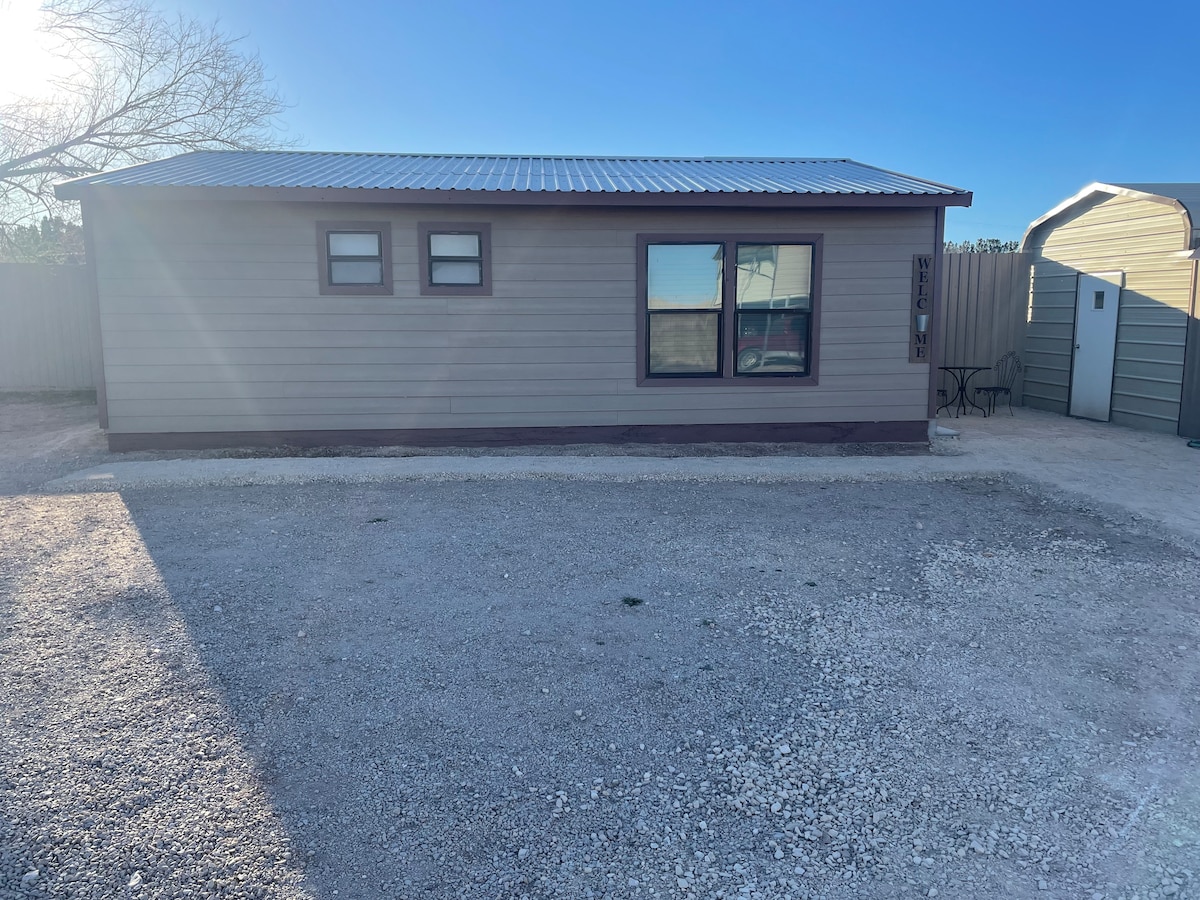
[[447, 690], [451, 689]]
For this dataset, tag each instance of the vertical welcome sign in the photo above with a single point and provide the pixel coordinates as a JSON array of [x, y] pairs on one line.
[[922, 308]]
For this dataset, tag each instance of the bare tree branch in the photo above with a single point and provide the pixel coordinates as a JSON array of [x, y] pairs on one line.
[[143, 86]]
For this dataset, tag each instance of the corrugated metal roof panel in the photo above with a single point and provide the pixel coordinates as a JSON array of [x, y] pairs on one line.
[[584, 174]]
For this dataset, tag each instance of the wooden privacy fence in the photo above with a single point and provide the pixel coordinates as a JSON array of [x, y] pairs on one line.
[[985, 301], [48, 338]]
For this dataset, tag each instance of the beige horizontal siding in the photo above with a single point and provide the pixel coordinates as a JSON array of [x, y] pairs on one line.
[[1053, 315], [1108, 234], [371, 321], [137, 331], [197, 292], [539, 403], [213, 322], [406, 377], [1053, 280], [327, 389], [315, 338], [852, 342], [151, 312], [277, 224], [366, 356]]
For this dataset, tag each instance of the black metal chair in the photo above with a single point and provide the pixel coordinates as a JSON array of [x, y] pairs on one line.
[[1007, 367]]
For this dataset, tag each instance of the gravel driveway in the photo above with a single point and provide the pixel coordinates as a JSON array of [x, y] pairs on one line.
[[554, 688]]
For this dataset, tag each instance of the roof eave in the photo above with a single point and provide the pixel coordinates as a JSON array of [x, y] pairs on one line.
[[84, 191], [68, 190]]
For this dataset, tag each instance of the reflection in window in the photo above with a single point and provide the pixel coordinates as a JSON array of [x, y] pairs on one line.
[[774, 302], [683, 297], [773, 276], [684, 276], [684, 343], [687, 308], [772, 342]]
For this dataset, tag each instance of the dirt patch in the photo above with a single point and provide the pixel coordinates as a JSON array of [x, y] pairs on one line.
[[44, 436]]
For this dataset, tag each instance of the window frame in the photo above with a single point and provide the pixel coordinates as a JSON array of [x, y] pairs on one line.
[[727, 337], [326, 286], [484, 230]]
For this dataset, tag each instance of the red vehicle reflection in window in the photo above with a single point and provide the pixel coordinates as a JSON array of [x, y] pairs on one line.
[[775, 341]]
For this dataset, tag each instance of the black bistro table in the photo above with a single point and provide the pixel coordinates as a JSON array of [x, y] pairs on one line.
[[962, 376]]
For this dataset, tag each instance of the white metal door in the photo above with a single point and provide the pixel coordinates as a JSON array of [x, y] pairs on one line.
[[1095, 345]]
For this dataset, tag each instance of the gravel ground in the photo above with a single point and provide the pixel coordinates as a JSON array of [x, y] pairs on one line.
[[548, 688], [541, 687]]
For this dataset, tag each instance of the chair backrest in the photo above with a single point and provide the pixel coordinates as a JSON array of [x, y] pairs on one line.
[[1006, 369]]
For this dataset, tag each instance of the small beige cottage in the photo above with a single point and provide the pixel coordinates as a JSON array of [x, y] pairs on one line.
[[1112, 331], [324, 298]]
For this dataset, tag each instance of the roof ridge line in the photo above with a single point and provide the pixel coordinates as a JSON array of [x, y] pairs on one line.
[[563, 156]]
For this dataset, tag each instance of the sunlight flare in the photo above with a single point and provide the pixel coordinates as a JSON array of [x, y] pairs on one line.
[[28, 63]]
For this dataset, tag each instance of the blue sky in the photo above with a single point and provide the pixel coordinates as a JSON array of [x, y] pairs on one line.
[[1022, 103]]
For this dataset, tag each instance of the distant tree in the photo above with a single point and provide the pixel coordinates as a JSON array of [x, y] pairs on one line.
[[52, 241], [983, 245], [141, 86]]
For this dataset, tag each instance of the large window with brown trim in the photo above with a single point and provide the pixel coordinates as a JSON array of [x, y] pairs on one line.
[[728, 307], [456, 258], [354, 257]]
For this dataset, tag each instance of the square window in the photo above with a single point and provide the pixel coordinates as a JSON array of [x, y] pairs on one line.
[[355, 258], [733, 308], [455, 258]]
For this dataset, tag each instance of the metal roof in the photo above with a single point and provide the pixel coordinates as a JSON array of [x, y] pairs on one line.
[[516, 174], [1184, 196]]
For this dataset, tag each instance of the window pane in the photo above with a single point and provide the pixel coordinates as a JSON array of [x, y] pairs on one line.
[[343, 243], [683, 276], [455, 272], [683, 343], [454, 245], [774, 276], [355, 272], [772, 343]]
